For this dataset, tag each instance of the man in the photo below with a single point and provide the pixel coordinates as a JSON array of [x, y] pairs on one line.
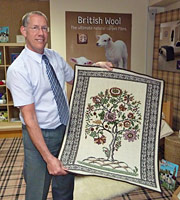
[[42, 128]]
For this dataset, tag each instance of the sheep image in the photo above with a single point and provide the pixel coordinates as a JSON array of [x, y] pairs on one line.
[[115, 52], [3, 37], [170, 181], [82, 61]]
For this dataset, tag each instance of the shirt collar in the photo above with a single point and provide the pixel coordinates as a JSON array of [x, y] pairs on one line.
[[35, 56]]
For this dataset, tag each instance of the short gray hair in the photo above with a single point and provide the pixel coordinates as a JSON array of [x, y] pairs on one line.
[[25, 18]]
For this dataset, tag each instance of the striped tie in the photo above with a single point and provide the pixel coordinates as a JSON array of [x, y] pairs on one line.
[[57, 91]]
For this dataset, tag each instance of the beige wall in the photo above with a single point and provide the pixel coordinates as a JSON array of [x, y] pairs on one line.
[[139, 24]]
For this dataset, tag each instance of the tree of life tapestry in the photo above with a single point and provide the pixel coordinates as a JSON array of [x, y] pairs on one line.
[[114, 126]]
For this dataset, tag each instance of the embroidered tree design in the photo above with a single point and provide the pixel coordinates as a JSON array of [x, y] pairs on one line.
[[113, 112]]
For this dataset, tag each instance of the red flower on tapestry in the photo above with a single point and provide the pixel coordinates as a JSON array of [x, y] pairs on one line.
[[127, 123], [122, 107], [100, 140], [115, 91], [130, 115], [96, 100]]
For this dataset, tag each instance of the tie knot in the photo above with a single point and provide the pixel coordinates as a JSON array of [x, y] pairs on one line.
[[45, 58]]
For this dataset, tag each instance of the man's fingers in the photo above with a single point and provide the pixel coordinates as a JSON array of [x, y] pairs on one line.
[[107, 65]]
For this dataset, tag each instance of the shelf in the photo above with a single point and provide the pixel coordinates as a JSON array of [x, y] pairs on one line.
[[12, 44], [9, 113], [10, 126], [161, 3], [2, 105]]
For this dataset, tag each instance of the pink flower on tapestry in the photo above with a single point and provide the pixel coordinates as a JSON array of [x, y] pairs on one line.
[[110, 117], [130, 135]]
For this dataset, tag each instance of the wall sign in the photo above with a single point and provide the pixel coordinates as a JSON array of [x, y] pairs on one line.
[[92, 37]]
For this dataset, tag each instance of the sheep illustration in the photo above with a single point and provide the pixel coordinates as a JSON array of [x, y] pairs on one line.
[[115, 52], [81, 61]]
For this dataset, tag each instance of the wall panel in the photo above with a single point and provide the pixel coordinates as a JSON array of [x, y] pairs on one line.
[[172, 79]]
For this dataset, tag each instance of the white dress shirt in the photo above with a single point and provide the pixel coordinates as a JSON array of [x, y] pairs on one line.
[[28, 82]]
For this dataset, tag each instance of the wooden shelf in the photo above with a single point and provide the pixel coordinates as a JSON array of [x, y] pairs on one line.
[[2, 105], [10, 126], [8, 111], [12, 44], [161, 3]]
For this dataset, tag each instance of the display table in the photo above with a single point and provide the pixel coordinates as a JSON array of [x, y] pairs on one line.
[[172, 148]]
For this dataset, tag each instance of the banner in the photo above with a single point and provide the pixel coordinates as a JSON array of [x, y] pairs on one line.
[[92, 37]]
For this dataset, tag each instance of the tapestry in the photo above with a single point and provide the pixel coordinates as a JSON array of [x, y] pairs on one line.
[[114, 126]]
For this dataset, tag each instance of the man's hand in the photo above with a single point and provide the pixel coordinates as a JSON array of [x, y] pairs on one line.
[[107, 65], [55, 167]]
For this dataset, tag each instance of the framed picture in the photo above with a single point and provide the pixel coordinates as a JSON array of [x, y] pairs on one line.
[[168, 174], [14, 56], [169, 46], [4, 34], [3, 116], [20, 39]]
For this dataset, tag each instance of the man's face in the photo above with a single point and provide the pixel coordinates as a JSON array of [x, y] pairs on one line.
[[36, 33]]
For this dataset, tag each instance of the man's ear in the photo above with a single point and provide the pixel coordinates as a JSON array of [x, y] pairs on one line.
[[23, 31]]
